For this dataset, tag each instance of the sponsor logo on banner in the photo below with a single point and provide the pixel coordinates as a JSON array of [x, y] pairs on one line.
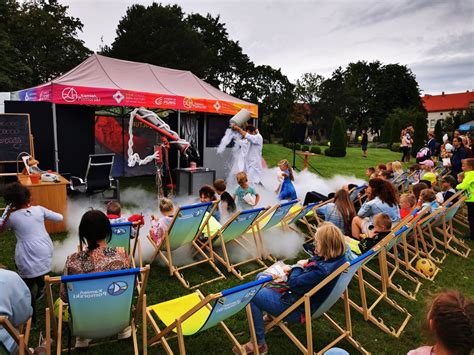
[[117, 288], [69, 94], [45, 95], [27, 97], [169, 101], [159, 101], [118, 96], [217, 106], [188, 102]]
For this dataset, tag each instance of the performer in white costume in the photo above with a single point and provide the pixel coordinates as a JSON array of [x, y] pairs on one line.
[[253, 160]]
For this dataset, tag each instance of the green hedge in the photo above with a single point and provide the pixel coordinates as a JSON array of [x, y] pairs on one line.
[[315, 149]]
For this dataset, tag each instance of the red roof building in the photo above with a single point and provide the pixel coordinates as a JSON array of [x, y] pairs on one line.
[[441, 106]]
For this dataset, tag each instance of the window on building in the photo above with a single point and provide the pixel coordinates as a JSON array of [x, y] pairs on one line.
[[432, 123]]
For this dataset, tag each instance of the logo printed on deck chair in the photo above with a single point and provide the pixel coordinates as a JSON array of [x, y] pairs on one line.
[[119, 231], [116, 288]]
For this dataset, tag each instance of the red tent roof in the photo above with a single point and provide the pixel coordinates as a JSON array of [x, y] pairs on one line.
[[105, 81], [448, 102]]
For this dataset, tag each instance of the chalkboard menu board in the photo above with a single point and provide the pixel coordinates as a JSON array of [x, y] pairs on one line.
[[14, 135]]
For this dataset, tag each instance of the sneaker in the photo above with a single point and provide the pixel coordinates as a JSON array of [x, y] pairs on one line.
[[125, 334], [82, 342], [41, 293], [202, 238], [248, 349], [309, 248]]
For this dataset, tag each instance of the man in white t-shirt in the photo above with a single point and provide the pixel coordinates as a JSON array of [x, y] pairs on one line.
[[253, 162]]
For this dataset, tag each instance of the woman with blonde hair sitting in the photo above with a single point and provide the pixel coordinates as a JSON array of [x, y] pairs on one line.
[[302, 277]]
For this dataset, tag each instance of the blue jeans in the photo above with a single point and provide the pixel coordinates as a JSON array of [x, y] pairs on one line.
[[269, 300]]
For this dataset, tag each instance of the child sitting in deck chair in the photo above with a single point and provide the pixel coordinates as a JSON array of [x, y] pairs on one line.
[[159, 226], [114, 214], [407, 204], [381, 228]]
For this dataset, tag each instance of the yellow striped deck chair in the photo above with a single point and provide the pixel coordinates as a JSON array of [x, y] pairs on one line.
[[195, 313]]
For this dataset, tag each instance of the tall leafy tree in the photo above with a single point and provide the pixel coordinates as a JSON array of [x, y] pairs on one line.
[[438, 131], [338, 139], [421, 131], [47, 39]]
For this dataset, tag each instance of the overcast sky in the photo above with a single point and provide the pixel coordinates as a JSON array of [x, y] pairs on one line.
[[434, 38]]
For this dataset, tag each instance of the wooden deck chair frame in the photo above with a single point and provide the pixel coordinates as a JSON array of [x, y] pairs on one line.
[[411, 251], [161, 335], [367, 310], [57, 324], [217, 239], [199, 250], [426, 236], [392, 250], [345, 331], [433, 242], [269, 214], [20, 335], [448, 232], [299, 216]]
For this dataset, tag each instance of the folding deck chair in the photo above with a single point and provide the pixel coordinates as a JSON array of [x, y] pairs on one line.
[[17, 338], [393, 269], [448, 231], [195, 313], [270, 219], [344, 275], [413, 247], [185, 228], [230, 233], [299, 215], [100, 305], [381, 294]]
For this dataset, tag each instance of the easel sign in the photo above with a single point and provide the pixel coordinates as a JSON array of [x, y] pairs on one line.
[[15, 136]]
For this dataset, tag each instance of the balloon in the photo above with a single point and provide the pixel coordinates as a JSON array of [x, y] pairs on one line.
[[359, 138]]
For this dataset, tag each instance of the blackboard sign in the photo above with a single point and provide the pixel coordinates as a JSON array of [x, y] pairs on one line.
[[15, 136]]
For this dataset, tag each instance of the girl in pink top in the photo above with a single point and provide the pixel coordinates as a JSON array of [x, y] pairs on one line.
[[451, 322]]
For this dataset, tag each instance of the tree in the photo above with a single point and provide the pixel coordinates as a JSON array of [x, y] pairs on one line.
[[438, 131], [364, 94], [38, 41], [395, 131], [307, 88], [159, 35], [421, 131], [338, 139], [387, 130]]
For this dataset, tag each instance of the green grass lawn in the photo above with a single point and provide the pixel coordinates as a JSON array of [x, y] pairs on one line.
[[456, 273], [352, 164]]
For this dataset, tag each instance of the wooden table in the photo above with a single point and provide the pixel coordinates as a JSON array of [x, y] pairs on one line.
[[51, 195], [306, 155]]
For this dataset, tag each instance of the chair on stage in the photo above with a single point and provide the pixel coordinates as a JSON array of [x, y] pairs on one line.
[[194, 313], [233, 233], [13, 339], [344, 275], [100, 305], [98, 177], [185, 229]]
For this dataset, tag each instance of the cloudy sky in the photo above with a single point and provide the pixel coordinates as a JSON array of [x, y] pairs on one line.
[[434, 38]]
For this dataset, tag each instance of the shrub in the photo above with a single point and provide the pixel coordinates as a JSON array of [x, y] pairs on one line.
[[395, 131], [315, 149], [338, 139], [297, 146], [305, 148], [395, 147], [327, 152], [421, 128]]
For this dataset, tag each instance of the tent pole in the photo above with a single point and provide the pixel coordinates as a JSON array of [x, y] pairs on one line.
[[55, 136], [179, 135]]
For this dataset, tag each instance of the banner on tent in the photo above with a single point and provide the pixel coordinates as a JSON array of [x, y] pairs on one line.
[[77, 95]]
